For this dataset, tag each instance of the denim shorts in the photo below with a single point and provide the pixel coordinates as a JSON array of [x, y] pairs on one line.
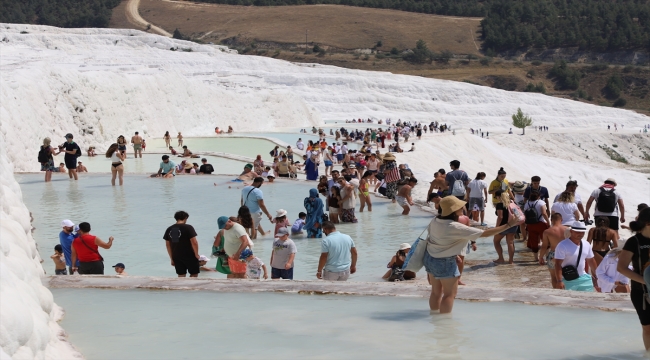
[[441, 268]]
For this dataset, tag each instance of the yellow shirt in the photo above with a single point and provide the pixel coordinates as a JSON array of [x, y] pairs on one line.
[[496, 185]]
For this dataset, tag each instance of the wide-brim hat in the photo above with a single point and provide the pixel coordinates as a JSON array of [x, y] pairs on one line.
[[280, 213], [519, 186], [451, 204], [389, 157], [404, 246], [188, 166]]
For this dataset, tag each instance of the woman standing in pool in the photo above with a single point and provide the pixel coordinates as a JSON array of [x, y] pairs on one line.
[[168, 140], [636, 251], [314, 221], [121, 145], [48, 152], [364, 191], [447, 239], [116, 163], [180, 139]]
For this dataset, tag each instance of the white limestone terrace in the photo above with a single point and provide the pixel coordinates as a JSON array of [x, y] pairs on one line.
[[553, 297], [99, 83]]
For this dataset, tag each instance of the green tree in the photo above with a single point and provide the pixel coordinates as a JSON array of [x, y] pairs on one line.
[[521, 120]]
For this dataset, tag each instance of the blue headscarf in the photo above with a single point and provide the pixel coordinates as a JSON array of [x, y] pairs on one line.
[[314, 207]]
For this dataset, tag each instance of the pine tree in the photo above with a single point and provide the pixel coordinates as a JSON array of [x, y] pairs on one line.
[[521, 120]]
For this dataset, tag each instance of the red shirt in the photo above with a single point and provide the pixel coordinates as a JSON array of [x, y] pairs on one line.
[[84, 253]]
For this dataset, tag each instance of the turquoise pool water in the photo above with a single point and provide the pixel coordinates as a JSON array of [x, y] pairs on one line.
[[209, 325], [138, 213]]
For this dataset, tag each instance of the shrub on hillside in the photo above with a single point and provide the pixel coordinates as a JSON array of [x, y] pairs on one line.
[[620, 102], [420, 55], [565, 77], [614, 86], [485, 61]]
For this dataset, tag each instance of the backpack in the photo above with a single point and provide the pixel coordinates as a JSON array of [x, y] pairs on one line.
[[515, 211], [43, 155], [458, 189], [272, 153], [606, 201], [531, 215]]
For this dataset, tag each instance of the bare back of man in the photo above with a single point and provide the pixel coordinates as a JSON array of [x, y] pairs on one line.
[[136, 140], [550, 238], [438, 183]]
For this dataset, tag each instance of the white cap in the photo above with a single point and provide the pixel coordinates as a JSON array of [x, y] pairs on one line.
[[204, 258], [67, 223]]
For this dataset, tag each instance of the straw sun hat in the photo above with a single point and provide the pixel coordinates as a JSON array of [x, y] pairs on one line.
[[389, 157], [451, 204]]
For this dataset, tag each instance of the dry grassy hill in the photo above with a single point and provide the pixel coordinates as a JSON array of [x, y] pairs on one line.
[[279, 32], [342, 27]]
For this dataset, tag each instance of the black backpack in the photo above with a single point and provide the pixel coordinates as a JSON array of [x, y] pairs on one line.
[[531, 215], [606, 201], [44, 155]]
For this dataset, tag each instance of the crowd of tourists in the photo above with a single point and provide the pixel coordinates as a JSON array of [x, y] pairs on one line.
[[555, 229]]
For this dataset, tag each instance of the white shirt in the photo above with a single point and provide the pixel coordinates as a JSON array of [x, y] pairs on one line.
[[567, 251], [254, 268], [607, 274], [114, 158], [300, 145], [566, 210], [595, 194], [476, 188]]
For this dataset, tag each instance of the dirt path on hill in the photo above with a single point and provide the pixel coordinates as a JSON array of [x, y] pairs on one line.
[[133, 16]]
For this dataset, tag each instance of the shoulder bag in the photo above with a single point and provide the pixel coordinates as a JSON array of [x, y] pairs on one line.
[[570, 272]]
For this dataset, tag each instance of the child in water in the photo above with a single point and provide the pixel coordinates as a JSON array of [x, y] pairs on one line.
[[296, 229], [280, 220], [253, 265], [59, 261]]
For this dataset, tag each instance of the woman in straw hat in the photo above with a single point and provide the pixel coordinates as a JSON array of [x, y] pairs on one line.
[[447, 238]]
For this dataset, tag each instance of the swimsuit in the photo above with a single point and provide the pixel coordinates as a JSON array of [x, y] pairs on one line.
[[601, 252], [401, 200], [549, 260]]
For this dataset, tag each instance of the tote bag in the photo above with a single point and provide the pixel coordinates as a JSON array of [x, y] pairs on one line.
[[415, 258]]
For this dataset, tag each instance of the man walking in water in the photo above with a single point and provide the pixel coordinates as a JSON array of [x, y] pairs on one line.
[[338, 258], [182, 246], [136, 140], [550, 238], [66, 237], [253, 198]]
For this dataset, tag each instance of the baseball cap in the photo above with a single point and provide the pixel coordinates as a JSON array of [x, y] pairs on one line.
[[204, 258], [67, 223], [245, 254], [282, 231], [250, 166], [119, 265], [578, 226], [610, 180]]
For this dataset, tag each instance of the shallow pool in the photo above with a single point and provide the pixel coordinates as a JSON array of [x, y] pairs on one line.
[[138, 213], [149, 164], [208, 325]]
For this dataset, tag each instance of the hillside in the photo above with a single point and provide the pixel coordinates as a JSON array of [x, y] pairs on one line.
[[340, 27]]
